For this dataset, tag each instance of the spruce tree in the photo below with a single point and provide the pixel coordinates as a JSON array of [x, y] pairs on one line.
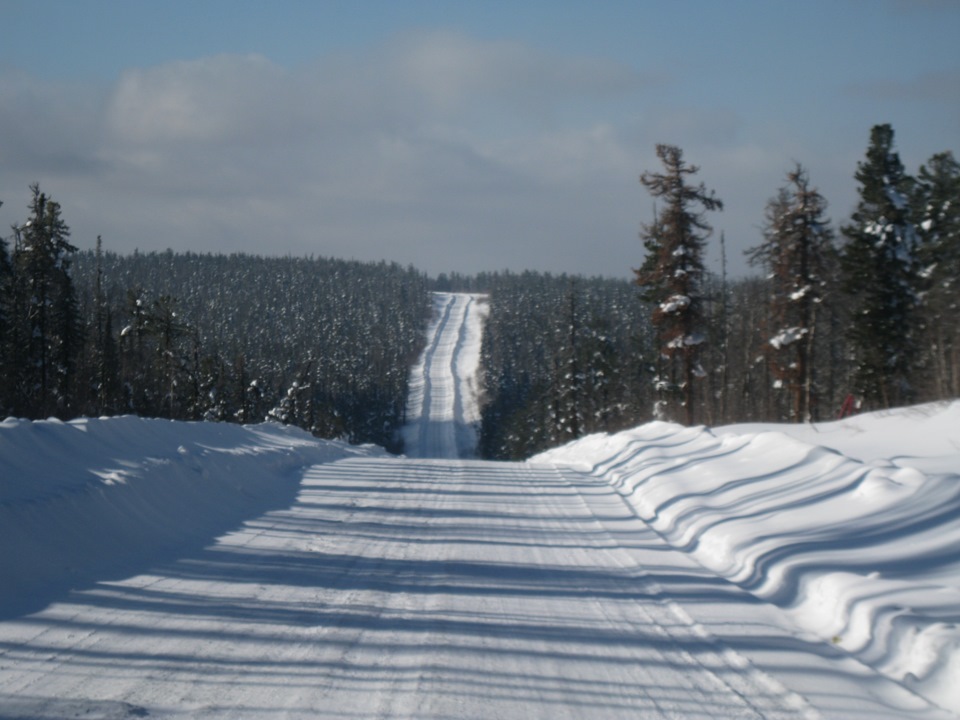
[[6, 330], [672, 275], [797, 252], [136, 367], [936, 206], [168, 330], [105, 359], [46, 310], [567, 397], [879, 268]]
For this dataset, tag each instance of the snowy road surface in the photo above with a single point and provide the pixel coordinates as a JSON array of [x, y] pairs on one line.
[[418, 589], [442, 408], [432, 588]]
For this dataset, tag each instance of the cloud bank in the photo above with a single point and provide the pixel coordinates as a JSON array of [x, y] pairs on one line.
[[435, 149]]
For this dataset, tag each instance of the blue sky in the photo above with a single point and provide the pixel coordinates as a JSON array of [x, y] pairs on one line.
[[452, 135]]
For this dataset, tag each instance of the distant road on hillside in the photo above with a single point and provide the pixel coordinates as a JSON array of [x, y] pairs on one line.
[[442, 409]]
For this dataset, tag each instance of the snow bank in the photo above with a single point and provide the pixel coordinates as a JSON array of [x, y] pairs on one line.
[[92, 499], [852, 527]]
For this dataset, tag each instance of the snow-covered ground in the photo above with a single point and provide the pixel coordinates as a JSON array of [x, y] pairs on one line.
[[853, 527], [180, 570], [97, 498]]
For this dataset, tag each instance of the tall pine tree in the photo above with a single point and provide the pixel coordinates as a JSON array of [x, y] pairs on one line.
[[936, 205], [879, 268], [797, 252], [672, 276], [48, 330], [7, 375]]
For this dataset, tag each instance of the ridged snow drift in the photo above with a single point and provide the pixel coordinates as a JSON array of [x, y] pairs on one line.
[[853, 526]]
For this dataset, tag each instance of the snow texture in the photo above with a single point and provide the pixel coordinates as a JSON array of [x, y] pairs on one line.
[[787, 336], [97, 498], [852, 527], [198, 570], [675, 303]]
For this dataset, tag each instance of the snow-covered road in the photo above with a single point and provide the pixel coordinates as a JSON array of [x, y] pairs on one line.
[[419, 589], [432, 588], [442, 409]]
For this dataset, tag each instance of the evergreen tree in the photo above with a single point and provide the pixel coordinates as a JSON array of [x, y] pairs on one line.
[[567, 397], [673, 272], [105, 359], [7, 374], [796, 252], [69, 340], [296, 407], [879, 268], [135, 367], [605, 402], [168, 330], [45, 310], [936, 206], [16, 334]]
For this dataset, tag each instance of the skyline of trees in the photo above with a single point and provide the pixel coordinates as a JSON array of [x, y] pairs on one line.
[[874, 319], [871, 312], [323, 344]]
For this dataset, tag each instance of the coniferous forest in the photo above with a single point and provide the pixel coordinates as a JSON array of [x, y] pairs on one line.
[[322, 344], [844, 314]]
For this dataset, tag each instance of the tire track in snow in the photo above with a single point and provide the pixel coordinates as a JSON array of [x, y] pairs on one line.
[[438, 408], [421, 383], [686, 642], [464, 436]]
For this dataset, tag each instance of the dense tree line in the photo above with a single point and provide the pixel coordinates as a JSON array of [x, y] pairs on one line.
[[561, 356], [566, 356], [866, 318], [892, 299], [320, 343], [874, 318]]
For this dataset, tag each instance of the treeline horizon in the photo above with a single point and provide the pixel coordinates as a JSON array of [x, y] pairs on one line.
[[863, 316], [868, 322]]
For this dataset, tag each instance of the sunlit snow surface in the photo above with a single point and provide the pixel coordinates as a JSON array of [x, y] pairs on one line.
[[95, 498], [852, 526]]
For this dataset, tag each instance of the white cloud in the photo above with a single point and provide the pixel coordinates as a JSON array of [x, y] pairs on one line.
[[436, 149], [46, 127], [451, 71], [210, 100]]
